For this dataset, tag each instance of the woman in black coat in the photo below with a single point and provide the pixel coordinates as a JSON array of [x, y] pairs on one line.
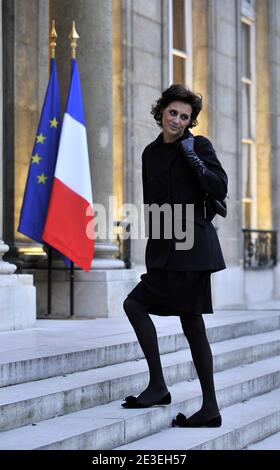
[[178, 169]]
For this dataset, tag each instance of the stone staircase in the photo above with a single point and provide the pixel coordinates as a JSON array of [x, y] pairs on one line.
[[68, 396]]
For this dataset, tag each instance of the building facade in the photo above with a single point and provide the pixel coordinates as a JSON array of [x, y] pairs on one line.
[[128, 52]]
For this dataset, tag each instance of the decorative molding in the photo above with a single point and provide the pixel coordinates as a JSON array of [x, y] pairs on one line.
[[248, 9]]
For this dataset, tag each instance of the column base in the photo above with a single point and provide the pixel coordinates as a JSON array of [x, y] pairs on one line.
[[18, 302], [98, 293], [228, 288], [239, 288]]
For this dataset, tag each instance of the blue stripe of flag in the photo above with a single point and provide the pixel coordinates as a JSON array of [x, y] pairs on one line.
[[74, 105]]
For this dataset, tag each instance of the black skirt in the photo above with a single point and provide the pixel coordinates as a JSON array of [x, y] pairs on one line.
[[174, 292]]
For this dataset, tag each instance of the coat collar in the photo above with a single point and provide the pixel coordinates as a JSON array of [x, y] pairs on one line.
[[159, 139]]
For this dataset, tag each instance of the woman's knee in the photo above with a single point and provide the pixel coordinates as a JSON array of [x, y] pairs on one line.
[[193, 325], [130, 306], [127, 305]]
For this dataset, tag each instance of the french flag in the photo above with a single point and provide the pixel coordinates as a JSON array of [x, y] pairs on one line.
[[69, 221]]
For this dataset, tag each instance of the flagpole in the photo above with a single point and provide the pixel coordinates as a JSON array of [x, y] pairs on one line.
[[52, 45], [73, 36], [49, 307]]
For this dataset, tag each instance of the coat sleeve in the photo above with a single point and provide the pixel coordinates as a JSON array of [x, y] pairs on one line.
[[144, 177], [214, 181]]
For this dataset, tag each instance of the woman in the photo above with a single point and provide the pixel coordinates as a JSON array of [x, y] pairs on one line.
[[179, 169]]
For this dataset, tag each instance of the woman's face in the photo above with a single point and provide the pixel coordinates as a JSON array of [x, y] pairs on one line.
[[175, 118]]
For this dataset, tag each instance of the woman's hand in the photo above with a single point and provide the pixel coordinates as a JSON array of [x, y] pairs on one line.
[[195, 163], [188, 144]]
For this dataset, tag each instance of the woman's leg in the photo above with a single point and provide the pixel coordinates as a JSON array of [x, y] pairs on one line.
[[147, 337], [194, 330]]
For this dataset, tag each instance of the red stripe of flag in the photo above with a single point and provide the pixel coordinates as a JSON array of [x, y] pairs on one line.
[[67, 218]]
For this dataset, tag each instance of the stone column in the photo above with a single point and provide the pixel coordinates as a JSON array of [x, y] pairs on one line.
[[1, 128], [5, 268], [17, 293], [26, 75], [224, 121], [102, 291], [274, 69], [263, 114], [145, 75], [94, 55]]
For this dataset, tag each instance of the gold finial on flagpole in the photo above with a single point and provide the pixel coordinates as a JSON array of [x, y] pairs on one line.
[[53, 37], [73, 36]]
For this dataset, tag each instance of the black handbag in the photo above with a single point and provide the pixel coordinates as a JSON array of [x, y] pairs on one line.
[[214, 206]]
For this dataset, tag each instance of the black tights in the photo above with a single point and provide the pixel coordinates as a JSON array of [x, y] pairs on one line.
[[194, 330]]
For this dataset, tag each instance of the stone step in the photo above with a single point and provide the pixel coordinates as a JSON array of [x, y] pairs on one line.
[[243, 424], [44, 399], [270, 443], [54, 351], [109, 426]]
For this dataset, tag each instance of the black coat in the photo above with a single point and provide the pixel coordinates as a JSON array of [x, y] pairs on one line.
[[167, 178]]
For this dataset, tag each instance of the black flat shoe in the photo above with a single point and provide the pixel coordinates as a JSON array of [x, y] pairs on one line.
[[182, 422], [131, 402]]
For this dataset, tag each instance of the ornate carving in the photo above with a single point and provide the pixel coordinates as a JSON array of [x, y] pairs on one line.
[[5, 267]]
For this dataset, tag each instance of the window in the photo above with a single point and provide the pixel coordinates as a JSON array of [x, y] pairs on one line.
[[248, 115], [180, 39]]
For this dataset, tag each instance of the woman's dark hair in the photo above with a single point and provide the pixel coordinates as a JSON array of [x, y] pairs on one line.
[[177, 93]]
